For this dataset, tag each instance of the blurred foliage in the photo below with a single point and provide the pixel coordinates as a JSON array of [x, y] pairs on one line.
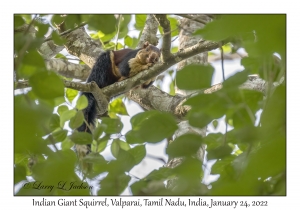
[[250, 158]]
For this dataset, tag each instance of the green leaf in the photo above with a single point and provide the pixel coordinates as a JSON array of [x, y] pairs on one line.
[[40, 83], [99, 164], [102, 145], [138, 153], [274, 115], [57, 39], [112, 125], [236, 80], [81, 138], [42, 29], [140, 21], [71, 94], [190, 169], [174, 26], [223, 166], [219, 152], [19, 173], [67, 115], [137, 119], [252, 98], [270, 159], [152, 126], [193, 77], [115, 147], [57, 19], [206, 107], [106, 37], [174, 49], [252, 30], [124, 145], [77, 120], [125, 20], [67, 144], [215, 123], [119, 46], [117, 107], [30, 121], [160, 174], [213, 140], [128, 41], [82, 102], [95, 158], [18, 21], [135, 42], [98, 131], [60, 135], [54, 122], [61, 109], [226, 48], [185, 145], [32, 63], [109, 46], [104, 23], [72, 21], [126, 159], [113, 184]]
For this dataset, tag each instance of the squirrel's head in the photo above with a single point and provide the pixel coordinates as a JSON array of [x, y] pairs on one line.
[[149, 54]]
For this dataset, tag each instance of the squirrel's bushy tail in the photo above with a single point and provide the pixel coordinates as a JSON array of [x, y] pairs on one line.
[[100, 74]]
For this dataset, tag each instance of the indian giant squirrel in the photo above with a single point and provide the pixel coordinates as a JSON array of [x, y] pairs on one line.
[[113, 66]]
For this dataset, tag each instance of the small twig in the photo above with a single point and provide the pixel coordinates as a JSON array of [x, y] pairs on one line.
[[30, 24], [118, 31], [223, 74], [174, 39], [222, 63], [87, 124], [156, 158], [134, 176]]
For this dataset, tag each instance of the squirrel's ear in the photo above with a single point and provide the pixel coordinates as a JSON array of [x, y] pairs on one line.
[[146, 44]]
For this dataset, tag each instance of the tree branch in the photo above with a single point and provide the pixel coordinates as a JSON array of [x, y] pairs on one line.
[[156, 99], [49, 49], [67, 31], [67, 69], [166, 45], [149, 31], [194, 18], [81, 45]]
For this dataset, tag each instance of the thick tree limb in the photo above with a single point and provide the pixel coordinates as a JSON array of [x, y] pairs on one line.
[[67, 69], [156, 99], [80, 44], [149, 31], [151, 98]]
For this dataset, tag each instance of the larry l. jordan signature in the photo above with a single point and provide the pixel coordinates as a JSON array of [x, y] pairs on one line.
[[62, 185]]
